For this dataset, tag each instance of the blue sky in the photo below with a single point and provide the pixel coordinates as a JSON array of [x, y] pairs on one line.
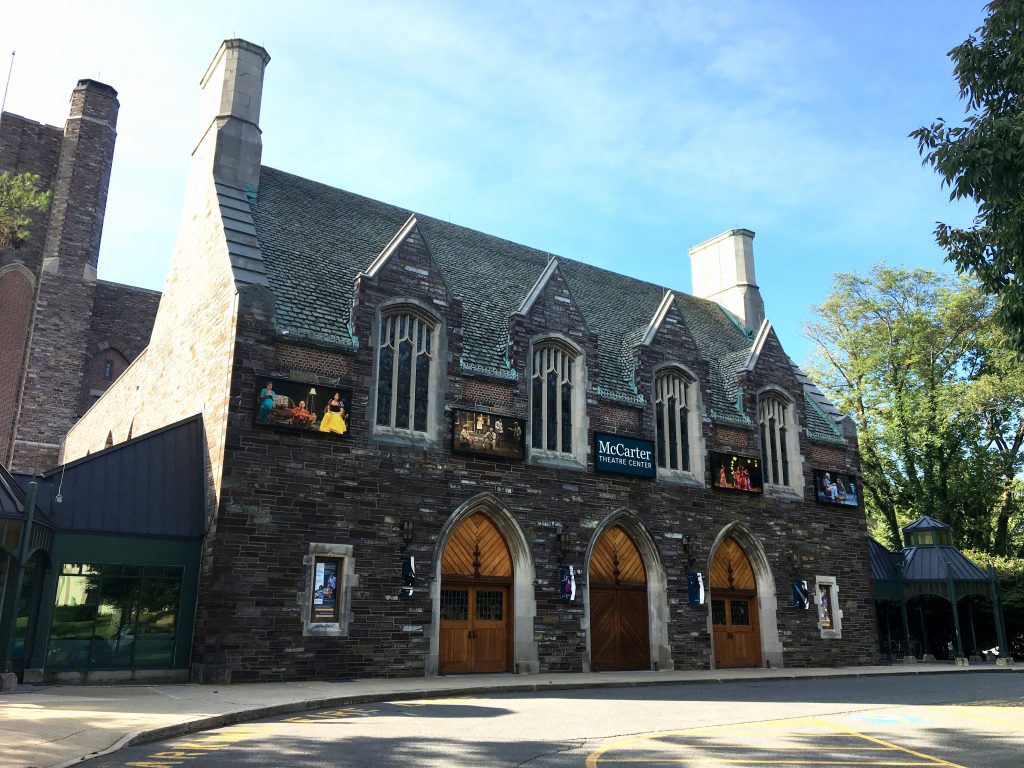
[[615, 133]]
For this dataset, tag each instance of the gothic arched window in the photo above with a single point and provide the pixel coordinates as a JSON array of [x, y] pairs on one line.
[[405, 360], [553, 396]]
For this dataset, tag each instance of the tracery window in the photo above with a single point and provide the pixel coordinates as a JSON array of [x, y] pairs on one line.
[[775, 421], [404, 358], [551, 398], [673, 402]]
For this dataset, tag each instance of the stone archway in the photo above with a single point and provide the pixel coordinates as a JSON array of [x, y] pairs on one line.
[[660, 652], [523, 647], [766, 601]]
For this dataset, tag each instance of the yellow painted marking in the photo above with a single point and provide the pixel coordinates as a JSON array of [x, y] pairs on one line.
[[960, 712], [193, 749], [726, 761], [334, 714], [597, 756], [434, 702], [935, 760]]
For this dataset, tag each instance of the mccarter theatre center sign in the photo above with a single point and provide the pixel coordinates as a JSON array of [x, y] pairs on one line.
[[624, 455]]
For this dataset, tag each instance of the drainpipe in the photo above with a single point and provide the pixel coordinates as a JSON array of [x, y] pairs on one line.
[[19, 573]]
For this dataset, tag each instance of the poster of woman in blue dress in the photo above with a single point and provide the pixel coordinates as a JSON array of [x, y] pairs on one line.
[[298, 406]]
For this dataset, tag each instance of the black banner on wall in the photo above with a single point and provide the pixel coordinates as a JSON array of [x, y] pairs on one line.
[[624, 455]]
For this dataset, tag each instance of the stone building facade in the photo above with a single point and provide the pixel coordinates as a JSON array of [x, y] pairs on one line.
[[67, 335], [478, 379]]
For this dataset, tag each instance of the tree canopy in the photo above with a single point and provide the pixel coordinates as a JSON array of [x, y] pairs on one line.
[[20, 196], [983, 160], [917, 360]]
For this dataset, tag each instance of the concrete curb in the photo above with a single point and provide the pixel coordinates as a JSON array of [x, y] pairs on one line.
[[258, 713]]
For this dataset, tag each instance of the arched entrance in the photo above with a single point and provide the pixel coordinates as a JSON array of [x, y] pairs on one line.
[[617, 581], [475, 606], [734, 608]]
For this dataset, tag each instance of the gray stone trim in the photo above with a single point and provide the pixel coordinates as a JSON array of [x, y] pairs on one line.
[[347, 579]]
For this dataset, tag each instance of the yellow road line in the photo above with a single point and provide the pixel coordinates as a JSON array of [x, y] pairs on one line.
[[957, 711], [727, 761], [935, 760]]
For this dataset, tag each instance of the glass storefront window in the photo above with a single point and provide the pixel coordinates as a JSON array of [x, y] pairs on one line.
[[110, 616]]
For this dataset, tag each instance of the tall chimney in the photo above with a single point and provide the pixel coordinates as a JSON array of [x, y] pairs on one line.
[[723, 271], [230, 144], [72, 244]]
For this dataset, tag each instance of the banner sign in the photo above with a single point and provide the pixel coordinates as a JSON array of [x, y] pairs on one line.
[[835, 488], [624, 455], [801, 595], [284, 404], [735, 473], [695, 588], [489, 435], [567, 576]]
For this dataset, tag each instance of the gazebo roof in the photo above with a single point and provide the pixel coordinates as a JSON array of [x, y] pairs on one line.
[[925, 523], [939, 563]]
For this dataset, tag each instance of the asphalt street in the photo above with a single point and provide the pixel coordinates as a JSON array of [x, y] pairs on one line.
[[974, 721]]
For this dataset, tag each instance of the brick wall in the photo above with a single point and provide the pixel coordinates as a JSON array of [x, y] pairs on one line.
[[186, 367], [119, 329], [17, 292]]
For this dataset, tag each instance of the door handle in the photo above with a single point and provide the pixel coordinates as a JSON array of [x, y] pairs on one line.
[[729, 635]]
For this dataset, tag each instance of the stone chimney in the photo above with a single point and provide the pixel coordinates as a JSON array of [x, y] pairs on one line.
[[723, 271], [230, 144], [72, 246]]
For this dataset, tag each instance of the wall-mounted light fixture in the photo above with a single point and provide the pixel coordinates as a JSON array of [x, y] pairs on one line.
[[406, 533], [563, 543], [795, 562]]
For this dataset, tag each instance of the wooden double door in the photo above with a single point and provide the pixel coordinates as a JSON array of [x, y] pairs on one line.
[[474, 628], [734, 618], [476, 609], [619, 637]]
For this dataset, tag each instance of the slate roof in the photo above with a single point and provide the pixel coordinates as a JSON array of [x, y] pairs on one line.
[[314, 239], [932, 563], [885, 565]]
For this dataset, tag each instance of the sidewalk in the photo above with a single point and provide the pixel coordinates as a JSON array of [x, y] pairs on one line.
[[62, 725]]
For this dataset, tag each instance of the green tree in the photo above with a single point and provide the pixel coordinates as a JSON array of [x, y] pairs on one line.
[[19, 196], [983, 160], [996, 395], [909, 355]]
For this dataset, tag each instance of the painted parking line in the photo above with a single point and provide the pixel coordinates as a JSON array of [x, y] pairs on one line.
[[999, 715], [331, 714], [797, 742], [181, 752]]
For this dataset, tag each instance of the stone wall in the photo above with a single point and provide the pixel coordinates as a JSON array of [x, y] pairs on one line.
[[50, 396], [284, 490]]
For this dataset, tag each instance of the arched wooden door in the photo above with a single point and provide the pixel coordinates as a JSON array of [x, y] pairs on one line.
[[476, 611], [737, 636], [618, 604]]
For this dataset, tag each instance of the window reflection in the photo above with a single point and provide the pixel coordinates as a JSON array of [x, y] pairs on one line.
[[109, 616]]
